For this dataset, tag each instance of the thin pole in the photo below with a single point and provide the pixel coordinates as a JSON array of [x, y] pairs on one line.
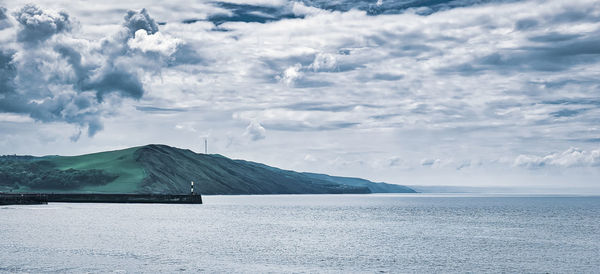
[[192, 188], [205, 146]]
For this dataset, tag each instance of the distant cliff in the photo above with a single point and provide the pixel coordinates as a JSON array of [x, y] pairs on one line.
[[165, 169]]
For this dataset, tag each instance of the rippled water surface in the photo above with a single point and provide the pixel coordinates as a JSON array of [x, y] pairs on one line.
[[307, 233]]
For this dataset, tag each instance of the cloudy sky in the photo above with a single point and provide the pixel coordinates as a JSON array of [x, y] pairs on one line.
[[463, 92]]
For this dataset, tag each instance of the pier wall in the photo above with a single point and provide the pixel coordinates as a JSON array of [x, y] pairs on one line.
[[23, 199], [99, 198]]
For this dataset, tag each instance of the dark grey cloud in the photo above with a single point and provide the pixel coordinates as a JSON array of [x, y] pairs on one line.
[[191, 21], [8, 72], [159, 109], [66, 107], [71, 108], [589, 140], [385, 116], [569, 15], [3, 13], [38, 25], [4, 23], [248, 13], [545, 49], [422, 7], [567, 112], [186, 55], [552, 52], [387, 76], [73, 57], [110, 80], [135, 21], [10, 100], [574, 13], [554, 37], [573, 101], [525, 24], [75, 94], [124, 83]]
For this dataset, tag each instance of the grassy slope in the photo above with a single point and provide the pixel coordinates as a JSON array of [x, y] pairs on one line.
[[164, 169], [119, 162], [171, 170]]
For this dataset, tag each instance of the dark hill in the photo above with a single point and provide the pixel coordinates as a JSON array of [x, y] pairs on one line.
[[164, 169]]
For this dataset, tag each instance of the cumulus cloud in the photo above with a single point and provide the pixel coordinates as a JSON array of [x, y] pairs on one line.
[[38, 25], [572, 157], [293, 76], [323, 62], [290, 75], [77, 80], [255, 131], [156, 42], [135, 21]]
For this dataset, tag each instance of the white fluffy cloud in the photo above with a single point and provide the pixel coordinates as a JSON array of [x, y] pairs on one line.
[[157, 42], [290, 74], [572, 157], [255, 131]]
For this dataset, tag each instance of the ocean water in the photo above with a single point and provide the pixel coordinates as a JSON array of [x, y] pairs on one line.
[[308, 233]]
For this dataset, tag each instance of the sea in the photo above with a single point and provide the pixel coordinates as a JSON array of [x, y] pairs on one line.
[[378, 233]]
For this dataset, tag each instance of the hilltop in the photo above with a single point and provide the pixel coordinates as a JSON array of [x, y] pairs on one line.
[[165, 169]]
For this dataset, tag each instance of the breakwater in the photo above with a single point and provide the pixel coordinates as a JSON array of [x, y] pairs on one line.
[[23, 199], [6, 199]]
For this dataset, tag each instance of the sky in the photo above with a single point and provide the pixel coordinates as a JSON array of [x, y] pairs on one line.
[[463, 92]]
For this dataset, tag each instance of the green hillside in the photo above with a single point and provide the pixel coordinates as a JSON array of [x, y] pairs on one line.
[[119, 162], [164, 169]]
